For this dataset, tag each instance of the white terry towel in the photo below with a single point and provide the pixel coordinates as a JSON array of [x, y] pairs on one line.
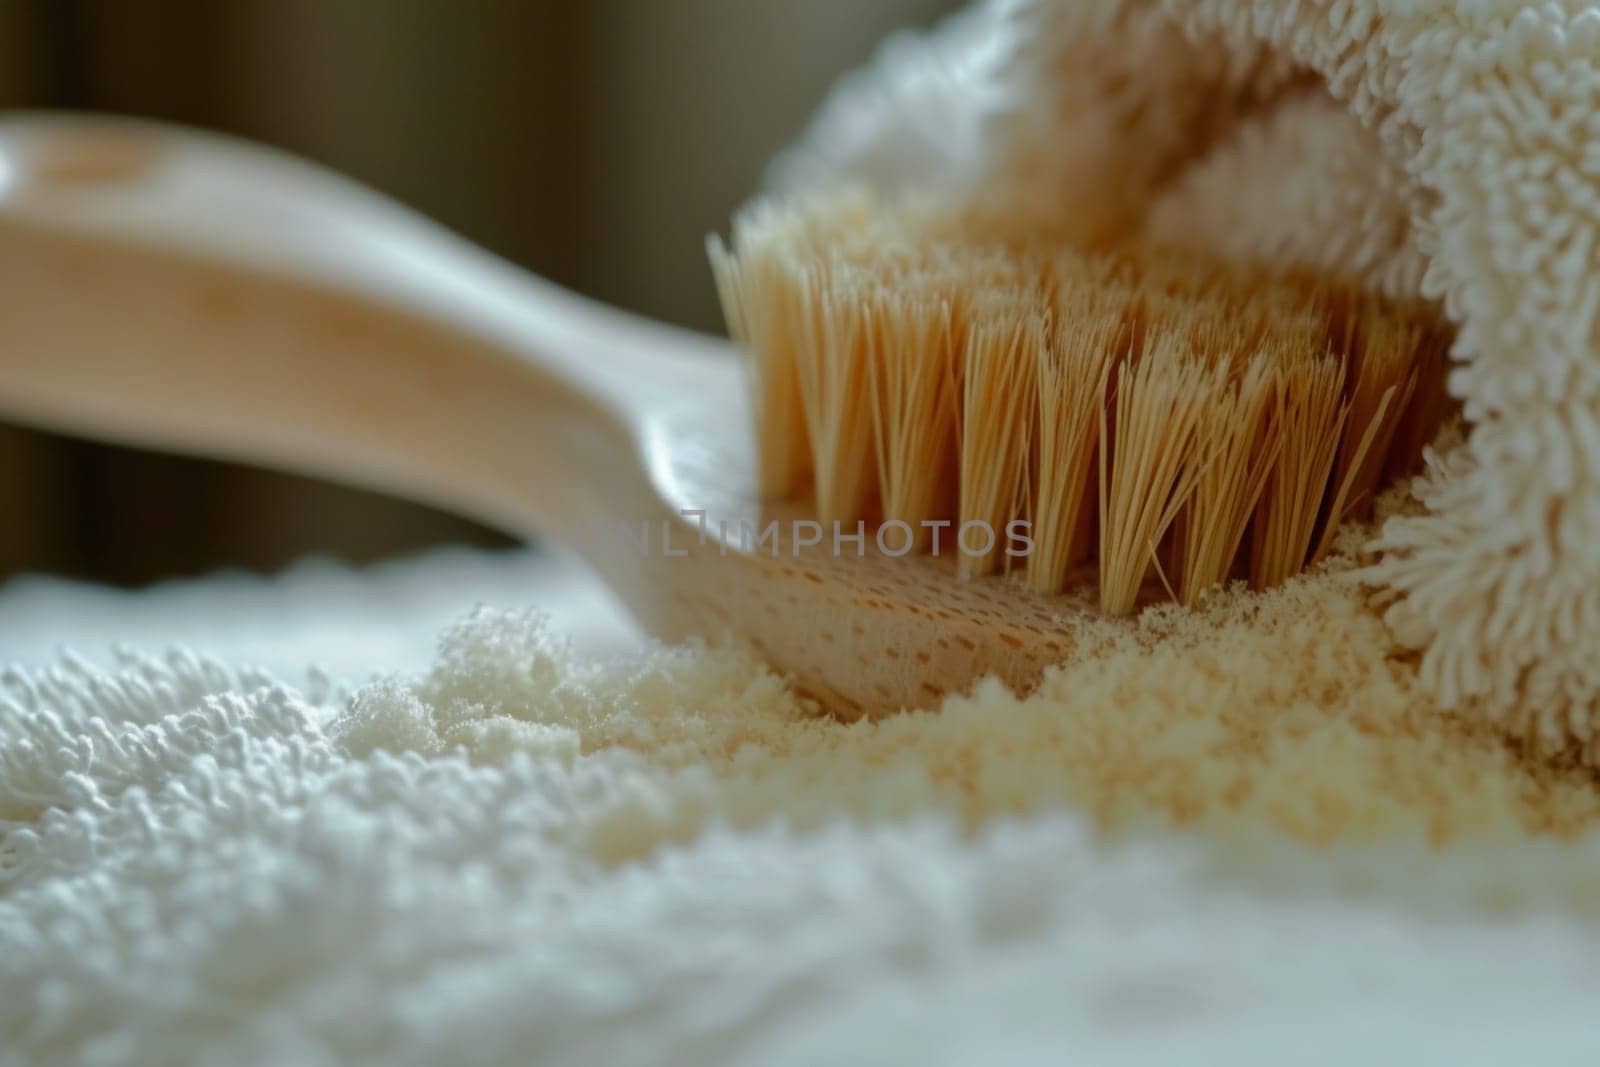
[[665, 860], [1450, 149]]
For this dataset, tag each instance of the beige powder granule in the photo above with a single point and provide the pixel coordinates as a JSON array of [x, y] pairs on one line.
[[1288, 711]]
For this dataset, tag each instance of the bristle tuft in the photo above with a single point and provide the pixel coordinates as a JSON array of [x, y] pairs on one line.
[[1004, 346], [1310, 412], [835, 335], [1160, 402], [1092, 332]]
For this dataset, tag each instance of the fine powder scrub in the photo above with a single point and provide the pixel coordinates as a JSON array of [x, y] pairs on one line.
[[1287, 713]]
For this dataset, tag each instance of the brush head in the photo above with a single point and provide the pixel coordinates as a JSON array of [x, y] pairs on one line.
[[1128, 423]]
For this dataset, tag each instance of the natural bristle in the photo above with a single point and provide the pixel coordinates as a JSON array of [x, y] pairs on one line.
[[1151, 461], [1003, 350], [1092, 332], [1243, 439], [915, 406], [1166, 423], [1312, 413], [835, 334]]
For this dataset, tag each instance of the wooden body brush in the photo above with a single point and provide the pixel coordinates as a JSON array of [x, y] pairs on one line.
[[189, 292]]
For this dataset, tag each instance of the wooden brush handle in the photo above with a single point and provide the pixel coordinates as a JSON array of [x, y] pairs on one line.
[[190, 292]]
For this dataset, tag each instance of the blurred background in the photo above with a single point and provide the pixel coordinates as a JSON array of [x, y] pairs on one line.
[[593, 141]]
